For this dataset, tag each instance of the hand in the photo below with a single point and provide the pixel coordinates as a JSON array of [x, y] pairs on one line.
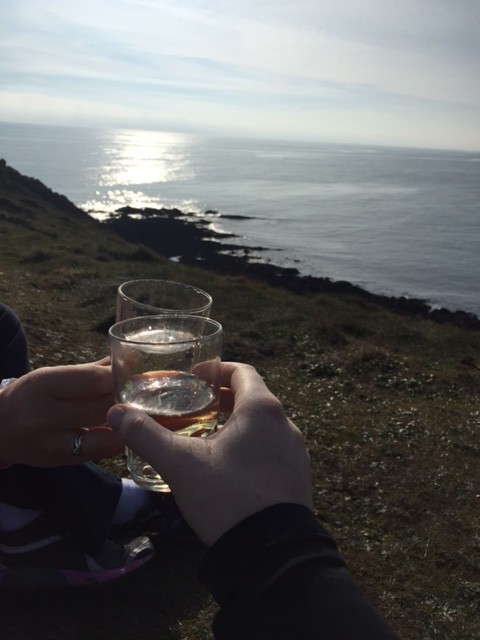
[[41, 412], [257, 459]]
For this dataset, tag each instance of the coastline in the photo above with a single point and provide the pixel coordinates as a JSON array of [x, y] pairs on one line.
[[188, 239], [185, 238]]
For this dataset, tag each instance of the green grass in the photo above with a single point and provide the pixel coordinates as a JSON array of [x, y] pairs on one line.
[[389, 406]]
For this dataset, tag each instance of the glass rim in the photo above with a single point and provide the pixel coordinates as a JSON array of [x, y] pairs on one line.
[[165, 318], [184, 285]]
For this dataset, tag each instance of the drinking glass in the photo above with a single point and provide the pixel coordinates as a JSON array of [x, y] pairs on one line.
[[154, 297], [169, 367]]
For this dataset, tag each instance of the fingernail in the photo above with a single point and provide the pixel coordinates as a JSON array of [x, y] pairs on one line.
[[115, 416]]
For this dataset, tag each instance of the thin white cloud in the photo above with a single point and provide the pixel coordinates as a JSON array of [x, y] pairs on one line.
[[319, 66]]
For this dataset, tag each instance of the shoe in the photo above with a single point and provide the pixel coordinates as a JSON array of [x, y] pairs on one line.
[[160, 517], [40, 555]]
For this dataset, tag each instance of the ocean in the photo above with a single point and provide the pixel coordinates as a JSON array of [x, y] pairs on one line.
[[395, 221]]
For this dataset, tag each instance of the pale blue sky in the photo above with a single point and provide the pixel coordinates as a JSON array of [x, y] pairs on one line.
[[371, 71]]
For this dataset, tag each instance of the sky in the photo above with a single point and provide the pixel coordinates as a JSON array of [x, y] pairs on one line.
[[358, 71]]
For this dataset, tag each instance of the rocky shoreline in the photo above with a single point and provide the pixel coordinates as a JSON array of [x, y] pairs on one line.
[[189, 239]]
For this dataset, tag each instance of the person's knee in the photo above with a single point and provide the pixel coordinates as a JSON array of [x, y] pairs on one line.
[[9, 322], [13, 344]]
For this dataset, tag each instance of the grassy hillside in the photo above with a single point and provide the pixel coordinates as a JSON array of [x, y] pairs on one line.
[[389, 405]]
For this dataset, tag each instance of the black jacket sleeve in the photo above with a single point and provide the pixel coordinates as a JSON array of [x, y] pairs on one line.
[[278, 575]]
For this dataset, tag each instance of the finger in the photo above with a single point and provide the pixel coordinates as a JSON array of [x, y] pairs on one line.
[[226, 371], [103, 362], [169, 454], [77, 446], [244, 388], [244, 380], [100, 442], [239, 371], [81, 413], [76, 381], [142, 434]]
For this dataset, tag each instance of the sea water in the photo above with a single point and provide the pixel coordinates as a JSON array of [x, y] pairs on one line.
[[397, 221]]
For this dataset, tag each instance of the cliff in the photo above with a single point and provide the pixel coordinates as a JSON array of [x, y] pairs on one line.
[[388, 404]]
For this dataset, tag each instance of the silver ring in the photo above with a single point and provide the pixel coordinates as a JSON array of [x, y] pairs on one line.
[[77, 443]]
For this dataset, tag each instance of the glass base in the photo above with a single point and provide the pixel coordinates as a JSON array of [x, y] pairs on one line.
[[144, 474]]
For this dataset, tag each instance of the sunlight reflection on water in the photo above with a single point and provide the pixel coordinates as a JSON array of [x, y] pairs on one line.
[[396, 221], [145, 157]]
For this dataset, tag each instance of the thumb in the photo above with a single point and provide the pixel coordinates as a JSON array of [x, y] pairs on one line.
[[142, 434]]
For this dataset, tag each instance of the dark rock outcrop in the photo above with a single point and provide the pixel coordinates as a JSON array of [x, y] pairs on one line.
[[189, 239], [174, 233]]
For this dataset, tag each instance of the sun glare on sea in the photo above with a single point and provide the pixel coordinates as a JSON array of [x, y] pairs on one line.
[[145, 157]]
